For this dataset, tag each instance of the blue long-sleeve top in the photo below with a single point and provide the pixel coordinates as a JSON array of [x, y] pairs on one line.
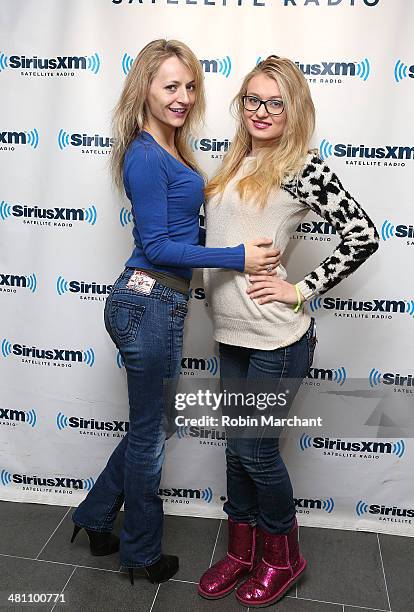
[[166, 196]]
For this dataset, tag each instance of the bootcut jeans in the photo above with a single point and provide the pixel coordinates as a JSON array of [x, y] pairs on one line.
[[148, 332]]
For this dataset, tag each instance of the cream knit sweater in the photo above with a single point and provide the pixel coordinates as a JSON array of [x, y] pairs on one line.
[[241, 321]]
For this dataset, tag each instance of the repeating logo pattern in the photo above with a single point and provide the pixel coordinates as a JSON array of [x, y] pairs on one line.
[[221, 66], [63, 139], [82, 62], [88, 355], [361, 508], [127, 62], [360, 69], [26, 416], [325, 149], [125, 216], [86, 483], [400, 71], [374, 377], [207, 495], [4, 62], [14, 280], [62, 421], [387, 230], [26, 137], [396, 448], [404, 306], [94, 63]]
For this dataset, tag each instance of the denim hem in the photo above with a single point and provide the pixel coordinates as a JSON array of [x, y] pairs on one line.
[[97, 529], [249, 521], [275, 531], [134, 565]]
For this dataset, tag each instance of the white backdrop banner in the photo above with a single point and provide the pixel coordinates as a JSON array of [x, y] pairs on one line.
[[65, 235]]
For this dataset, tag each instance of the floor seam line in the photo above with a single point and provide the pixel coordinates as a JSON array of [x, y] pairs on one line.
[[215, 543], [383, 572], [51, 536], [155, 597], [66, 584]]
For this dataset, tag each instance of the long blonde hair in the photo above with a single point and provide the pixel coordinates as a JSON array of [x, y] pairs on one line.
[[129, 114], [289, 151]]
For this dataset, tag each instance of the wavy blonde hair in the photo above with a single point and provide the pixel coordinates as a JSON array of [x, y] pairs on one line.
[[129, 114], [287, 155]]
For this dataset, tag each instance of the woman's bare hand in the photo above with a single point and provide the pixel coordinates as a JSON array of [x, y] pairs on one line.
[[259, 257], [271, 289]]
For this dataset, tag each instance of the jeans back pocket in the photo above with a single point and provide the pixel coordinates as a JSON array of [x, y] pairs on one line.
[[124, 320]]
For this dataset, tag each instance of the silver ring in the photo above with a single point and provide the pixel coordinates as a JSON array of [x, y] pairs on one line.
[[269, 269]]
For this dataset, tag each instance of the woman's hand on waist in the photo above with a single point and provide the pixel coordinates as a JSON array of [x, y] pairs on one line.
[[260, 257], [271, 288]]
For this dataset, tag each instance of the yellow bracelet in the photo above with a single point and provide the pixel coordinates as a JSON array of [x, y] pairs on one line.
[[299, 300]]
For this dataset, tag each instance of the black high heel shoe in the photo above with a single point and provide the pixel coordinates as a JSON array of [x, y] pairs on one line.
[[101, 543], [161, 571]]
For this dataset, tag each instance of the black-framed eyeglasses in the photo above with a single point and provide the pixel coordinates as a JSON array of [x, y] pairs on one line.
[[273, 106]]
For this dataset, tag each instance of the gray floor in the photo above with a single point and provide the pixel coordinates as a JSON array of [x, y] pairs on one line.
[[347, 571]]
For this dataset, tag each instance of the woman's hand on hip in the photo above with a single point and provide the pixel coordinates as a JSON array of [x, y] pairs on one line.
[[271, 289], [259, 257]]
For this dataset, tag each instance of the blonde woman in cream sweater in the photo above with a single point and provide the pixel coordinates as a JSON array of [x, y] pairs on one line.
[[268, 182]]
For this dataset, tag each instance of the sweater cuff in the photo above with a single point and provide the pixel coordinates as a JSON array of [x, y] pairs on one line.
[[305, 291]]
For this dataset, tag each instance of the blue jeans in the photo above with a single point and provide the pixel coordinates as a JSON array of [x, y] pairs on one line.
[[148, 331], [259, 490]]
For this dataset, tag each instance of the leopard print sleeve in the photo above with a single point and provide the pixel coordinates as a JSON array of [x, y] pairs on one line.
[[321, 190]]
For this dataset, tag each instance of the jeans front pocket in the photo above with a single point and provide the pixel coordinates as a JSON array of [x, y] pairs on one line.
[[124, 321]]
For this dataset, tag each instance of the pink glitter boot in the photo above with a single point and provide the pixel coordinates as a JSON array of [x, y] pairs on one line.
[[220, 579], [280, 567]]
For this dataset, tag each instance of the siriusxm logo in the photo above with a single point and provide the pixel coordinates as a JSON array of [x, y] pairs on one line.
[[200, 432], [76, 139], [29, 138], [86, 357], [362, 446], [186, 494], [389, 230], [222, 66], [86, 484], [327, 149], [315, 227], [376, 378], [338, 375], [81, 287], [125, 216], [73, 62], [9, 282], [57, 214], [315, 504], [363, 508], [360, 69], [21, 416], [63, 421], [372, 306], [209, 145], [195, 363], [219, 66], [402, 71]]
